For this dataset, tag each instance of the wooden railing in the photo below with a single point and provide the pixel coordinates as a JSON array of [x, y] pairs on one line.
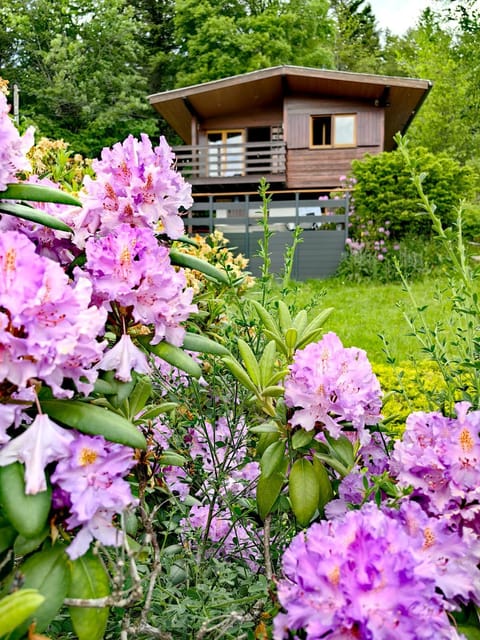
[[231, 160]]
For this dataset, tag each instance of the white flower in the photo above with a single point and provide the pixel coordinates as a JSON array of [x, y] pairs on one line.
[[124, 357], [43, 442]]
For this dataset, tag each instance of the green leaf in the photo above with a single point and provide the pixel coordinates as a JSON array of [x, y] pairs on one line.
[[265, 427], [302, 438], [249, 360], [202, 344], [93, 420], [172, 458], [192, 262], [273, 458], [303, 490], [89, 580], [139, 397], [240, 374], [291, 337], [268, 490], [38, 193], [48, 572], [153, 411], [174, 356], [34, 215], [300, 321], [7, 536], [324, 483], [342, 449], [471, 633], [267, 363], [27, 513], [267, 319], [284, 316], [16, 607], [318, 321], [24, 546]]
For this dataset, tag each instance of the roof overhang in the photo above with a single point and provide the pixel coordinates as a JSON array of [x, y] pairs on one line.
[[401, 97]]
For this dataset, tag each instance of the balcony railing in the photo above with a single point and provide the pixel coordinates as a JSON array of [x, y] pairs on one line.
[[231, 160]]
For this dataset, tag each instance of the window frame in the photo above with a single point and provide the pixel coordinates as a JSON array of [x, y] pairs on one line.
[[223, 173], [333, 118]]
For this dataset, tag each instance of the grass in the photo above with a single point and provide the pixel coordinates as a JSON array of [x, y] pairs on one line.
[[364, 312]]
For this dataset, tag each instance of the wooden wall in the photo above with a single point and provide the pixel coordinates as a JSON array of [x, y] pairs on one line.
[[308, 167]]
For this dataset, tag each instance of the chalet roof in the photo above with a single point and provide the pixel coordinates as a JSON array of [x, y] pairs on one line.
[[401, 97]]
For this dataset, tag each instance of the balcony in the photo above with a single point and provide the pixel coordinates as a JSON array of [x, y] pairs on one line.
[[232, 162]]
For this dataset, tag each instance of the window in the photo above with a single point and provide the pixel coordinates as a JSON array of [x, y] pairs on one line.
[[333, 131], [226, 153]]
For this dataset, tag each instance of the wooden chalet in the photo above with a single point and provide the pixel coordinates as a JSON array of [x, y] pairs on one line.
[[299, 128]]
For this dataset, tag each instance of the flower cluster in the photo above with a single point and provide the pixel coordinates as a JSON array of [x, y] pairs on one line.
[[13, 146], [129, 267], [48, 326], [89, 482], [439, 457], [134, 184], [329, 384], [364, 576]]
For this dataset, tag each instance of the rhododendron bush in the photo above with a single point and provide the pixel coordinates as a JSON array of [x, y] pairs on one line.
[[183, 454]]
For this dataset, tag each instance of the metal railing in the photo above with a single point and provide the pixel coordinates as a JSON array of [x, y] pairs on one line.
[[231, 160]]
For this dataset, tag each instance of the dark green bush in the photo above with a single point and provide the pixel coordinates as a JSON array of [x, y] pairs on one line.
[[384, 195]]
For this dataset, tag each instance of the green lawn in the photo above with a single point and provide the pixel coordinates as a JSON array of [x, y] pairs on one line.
[[365, 311]]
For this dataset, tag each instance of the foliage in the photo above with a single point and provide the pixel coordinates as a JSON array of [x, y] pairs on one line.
[[213, 45], [79, 68], [384, 192], [357, 40]]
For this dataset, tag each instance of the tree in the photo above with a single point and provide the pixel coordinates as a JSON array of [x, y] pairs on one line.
[[80, 66], [249, 35], [357, 39]]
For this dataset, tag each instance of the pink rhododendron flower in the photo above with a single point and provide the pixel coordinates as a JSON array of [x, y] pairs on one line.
[[329, 384], [137, 185], [13, 146], [129, 268], [89, 482], [48, 329], [42, 443], [51, 243], [359, 576], [440, 458]]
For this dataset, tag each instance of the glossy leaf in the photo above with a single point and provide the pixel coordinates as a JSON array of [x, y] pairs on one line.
[[172, 458], [302, 438], [284, 316], [342, 449], [249, 360], [303, 490], [273, 458], [300, 321], [324, 483], [291, 335], [27, 513], [89, 580], [240, 374], [38, 193], [16, 607], [267, 363], [267, 319], [265, 427], [174, 356], [202, 344], [93, 420], [48, 572], [192, 262], [268, 490], [34, 215], [140, 395]]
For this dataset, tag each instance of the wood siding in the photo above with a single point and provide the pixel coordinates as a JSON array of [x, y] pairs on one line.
[[307, 167], [270, 116]]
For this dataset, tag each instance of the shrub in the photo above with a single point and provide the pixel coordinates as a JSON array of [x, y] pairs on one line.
[[385, 196]]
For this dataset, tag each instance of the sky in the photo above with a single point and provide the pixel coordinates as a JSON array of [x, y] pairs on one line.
[[397, 15]]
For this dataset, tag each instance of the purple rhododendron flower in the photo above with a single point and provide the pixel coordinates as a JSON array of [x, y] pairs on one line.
[[129, 267], [358, 577], [440, 458], [135, 184], [90, 481], [48, 328], [51, 243], [13, 146], [329, 383]]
